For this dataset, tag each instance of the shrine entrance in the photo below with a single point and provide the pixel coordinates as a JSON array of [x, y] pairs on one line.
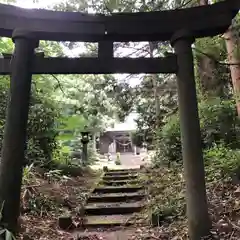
[[116, 141], [181, 27], [123, 143]]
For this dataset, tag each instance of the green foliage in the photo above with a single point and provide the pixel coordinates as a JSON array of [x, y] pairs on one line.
[[167, 185], [7, 234], [90, 98], [60, 157], [137, 138], [27, 173], [51, 49], [53, 175], [92, 154], [70, 126], [213, 47], [38, 203], [41, 130], [221, 162], [147, 104], [219, 124], [4, 232], [167, 199], [169, 141], [6, 45]]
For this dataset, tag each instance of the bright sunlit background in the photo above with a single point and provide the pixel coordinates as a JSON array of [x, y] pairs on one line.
[[134, 80], [36, 4]]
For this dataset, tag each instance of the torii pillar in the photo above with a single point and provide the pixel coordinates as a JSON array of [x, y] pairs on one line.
[[197, 210], [14, 142]]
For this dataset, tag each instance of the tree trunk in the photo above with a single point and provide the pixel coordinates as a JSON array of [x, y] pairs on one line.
[[94, 142], [232, 44], [209, 81], [155, 89]]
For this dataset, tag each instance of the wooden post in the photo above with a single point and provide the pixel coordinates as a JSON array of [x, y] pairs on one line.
[[197, 209], [14, 143], [105, 49]]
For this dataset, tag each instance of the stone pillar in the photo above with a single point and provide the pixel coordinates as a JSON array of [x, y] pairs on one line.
[[114, 145], [137, 150], [85, 141], [14, 143], [197, 209], [84, 153]]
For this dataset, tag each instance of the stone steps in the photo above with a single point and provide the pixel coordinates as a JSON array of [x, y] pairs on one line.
[[120, 177], [115, 173], [115, 201], [107, 221], [124, 170], [117, 189], [113, 208], [119, 182], [116, 197]]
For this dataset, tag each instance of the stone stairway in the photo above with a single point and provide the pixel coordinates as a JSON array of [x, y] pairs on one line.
[[115, 200]]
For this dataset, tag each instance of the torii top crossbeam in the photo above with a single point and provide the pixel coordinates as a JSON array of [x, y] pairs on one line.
[[201, 21]]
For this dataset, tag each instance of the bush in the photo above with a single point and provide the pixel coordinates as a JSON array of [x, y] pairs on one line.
[[221, 162], [92, 154], [41, 131], [137, 139], [166, 193], [219, 124], [169, 141]]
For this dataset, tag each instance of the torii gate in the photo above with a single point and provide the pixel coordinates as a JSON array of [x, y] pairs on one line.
[[27, 27]]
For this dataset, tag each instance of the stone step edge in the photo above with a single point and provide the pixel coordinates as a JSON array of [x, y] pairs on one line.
[[92, 211], [108, 221], [119, 182], [124, 170], [119, 177], [116, 189], [115, 198], [106, 225]]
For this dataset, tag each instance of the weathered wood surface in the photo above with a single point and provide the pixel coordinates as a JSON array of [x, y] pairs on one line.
[[149, 26], [105, 49], [97, 66]]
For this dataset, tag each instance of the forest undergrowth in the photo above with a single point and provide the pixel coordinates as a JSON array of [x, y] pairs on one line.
[[167, 204], [48, 195]]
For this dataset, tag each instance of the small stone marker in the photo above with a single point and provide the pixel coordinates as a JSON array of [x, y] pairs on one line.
[[105, 169], [65, 222]]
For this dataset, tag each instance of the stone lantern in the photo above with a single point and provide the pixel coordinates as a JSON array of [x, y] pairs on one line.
[[85, 141]]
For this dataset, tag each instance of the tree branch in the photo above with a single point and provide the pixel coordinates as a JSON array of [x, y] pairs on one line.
[[59, 84], [215, 60]]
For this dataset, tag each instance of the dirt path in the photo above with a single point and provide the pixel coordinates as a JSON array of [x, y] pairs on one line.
[[128, 160]]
